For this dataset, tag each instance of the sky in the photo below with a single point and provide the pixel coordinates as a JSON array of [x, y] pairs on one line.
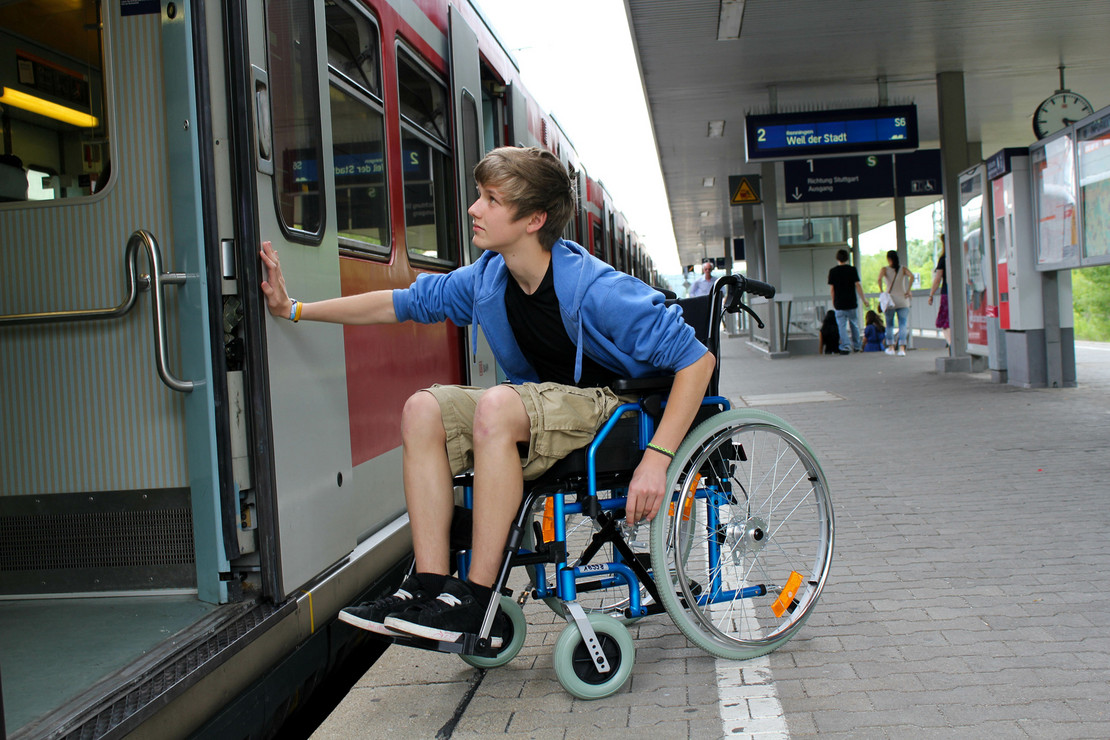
[[577, 61]]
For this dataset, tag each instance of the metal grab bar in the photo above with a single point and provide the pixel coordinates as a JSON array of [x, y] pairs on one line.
[[135, 283]]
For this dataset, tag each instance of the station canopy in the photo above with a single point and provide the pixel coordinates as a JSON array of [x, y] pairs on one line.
[[706, 61]]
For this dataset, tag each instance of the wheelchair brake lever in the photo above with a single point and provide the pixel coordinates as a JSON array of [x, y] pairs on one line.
[[747, 309]]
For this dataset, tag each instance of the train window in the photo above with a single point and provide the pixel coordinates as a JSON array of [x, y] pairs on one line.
[[357, 130], [295, 102], [361, 195], [426, 164], [353, 47], [54, 126]]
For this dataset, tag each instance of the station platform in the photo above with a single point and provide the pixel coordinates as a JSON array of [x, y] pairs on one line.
[[965, 599]]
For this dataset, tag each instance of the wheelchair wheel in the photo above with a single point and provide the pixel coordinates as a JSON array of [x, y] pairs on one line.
[[513, 640], [575, 668], [580, 529], [743, 546]]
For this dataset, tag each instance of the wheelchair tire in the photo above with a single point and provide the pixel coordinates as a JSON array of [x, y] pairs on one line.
[[752, 491], [518, 628], [575, 668]]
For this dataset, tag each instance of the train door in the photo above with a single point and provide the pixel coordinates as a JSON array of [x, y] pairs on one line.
[[109, 427], [289, 198], [111, 520], [466, 91]]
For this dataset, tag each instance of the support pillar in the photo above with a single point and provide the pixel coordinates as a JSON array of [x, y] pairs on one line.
[[853, 231], [772, 271], [953, 160]]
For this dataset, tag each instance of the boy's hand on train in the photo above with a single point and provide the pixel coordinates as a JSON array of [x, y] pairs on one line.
[[645, 491], [277, 297]]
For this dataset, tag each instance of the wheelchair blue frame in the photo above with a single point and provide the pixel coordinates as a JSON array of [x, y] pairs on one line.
[[620, 574]]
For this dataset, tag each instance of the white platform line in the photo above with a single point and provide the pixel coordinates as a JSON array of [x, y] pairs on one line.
[[747, 701]]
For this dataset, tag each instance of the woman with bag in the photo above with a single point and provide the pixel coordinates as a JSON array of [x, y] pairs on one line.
[[894, 300]]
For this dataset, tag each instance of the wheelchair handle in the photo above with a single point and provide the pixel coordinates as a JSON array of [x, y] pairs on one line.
[[756, 287]]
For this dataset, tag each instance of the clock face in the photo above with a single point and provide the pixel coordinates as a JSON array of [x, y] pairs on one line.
[[1058, 111]]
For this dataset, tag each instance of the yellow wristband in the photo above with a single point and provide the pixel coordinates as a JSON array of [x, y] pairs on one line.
[[657, 448], [297, 311]]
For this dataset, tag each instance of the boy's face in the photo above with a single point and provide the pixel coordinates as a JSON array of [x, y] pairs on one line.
[[495, 223]]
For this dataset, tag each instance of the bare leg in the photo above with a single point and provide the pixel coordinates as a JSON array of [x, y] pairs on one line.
[[500, 421], [428, 491]]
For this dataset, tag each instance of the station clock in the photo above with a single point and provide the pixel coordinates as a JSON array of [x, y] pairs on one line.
[[1059, 110]]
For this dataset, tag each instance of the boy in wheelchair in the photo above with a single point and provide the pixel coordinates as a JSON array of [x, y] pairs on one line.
[[563, 326]]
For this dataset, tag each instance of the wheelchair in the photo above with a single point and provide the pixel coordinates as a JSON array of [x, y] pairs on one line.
[[737, 555]]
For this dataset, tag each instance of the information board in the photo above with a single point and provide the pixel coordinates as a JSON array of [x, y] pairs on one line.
[[831, 133], [838, 178], [1054, 195], [1093, 142]]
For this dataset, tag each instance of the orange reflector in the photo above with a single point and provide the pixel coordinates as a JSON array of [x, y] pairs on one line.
[[689, 500], [549, 520], [785, 602]]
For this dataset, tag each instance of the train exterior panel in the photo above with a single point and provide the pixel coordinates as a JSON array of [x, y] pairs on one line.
[[237, 475]]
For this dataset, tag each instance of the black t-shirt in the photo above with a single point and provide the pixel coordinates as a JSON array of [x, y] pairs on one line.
[[843, 278], [942, 265], [537, 325]]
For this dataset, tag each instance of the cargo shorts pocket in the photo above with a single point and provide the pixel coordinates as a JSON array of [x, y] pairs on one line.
[[563, 419]]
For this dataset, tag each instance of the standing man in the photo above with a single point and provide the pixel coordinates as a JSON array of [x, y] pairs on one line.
[[562, 325], [843, 288], [704, 285]]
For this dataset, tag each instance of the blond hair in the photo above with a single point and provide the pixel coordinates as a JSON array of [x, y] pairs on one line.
[[531, 180]]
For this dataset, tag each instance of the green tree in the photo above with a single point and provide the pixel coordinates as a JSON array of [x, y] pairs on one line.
[[1091, 294]]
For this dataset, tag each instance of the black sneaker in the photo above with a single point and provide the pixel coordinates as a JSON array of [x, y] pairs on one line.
[[371, 615], [448, 617]]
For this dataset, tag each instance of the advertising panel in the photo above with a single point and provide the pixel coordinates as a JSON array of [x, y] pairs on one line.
[[1054, 192], [1094, 187], [978, 261]]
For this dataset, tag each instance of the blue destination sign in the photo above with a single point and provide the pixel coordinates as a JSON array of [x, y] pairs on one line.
[[831, 133]]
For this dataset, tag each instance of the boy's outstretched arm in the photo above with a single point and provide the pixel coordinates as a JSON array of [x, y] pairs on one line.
[[649, 481], [375, 307]]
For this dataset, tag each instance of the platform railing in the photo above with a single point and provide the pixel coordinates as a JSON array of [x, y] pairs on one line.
[[140, 239]]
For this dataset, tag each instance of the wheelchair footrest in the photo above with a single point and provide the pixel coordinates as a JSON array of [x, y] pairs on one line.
[[465, 645]]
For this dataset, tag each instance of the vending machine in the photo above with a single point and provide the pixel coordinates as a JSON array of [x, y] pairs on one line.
[[1021, 285]]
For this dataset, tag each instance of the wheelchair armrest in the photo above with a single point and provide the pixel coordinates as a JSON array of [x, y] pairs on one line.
[[642, 386]]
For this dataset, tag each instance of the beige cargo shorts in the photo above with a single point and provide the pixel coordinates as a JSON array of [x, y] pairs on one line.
[[564, 418]]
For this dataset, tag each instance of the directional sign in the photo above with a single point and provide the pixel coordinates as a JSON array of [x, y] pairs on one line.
[[744, 190], [838, 178], [918, 173]]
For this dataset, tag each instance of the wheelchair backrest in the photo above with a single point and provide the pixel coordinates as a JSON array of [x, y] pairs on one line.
[[703, 314]]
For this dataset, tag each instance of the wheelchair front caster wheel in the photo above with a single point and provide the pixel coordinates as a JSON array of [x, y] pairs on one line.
[[575, 668], [512, 641]]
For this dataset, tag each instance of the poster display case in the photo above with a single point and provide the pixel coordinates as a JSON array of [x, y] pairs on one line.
[[1055, 199], [1093, 155], [978, 258]]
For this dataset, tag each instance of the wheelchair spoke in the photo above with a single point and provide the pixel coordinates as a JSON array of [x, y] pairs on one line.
[[760, 515]]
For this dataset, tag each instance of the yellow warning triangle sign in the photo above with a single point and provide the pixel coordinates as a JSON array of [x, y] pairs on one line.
[[745, 194]]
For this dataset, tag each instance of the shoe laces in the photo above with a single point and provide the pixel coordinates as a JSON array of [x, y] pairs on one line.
[[442, 603]]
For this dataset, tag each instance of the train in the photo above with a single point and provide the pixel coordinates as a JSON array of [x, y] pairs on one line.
[[191, 490]]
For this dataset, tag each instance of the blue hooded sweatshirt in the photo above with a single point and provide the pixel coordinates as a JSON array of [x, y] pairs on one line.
[[614, 318]]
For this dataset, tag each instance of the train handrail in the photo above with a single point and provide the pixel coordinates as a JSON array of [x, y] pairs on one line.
[[141, 238]]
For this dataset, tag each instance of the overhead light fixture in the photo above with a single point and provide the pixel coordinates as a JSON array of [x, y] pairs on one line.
[[716, 129], [708, 181], [35, 104], [704, 214], [730, 19]]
